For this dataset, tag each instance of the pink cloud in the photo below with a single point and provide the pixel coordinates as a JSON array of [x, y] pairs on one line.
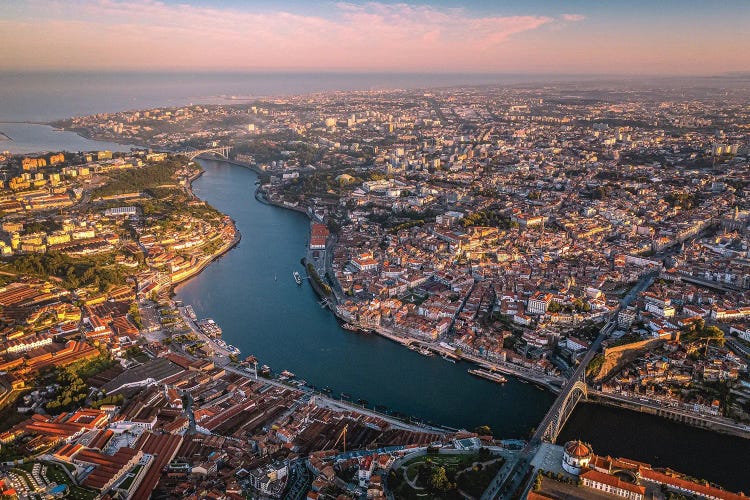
[[147, 34], [372, 36], [572, 17]]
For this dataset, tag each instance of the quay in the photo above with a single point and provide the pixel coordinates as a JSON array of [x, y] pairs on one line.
[[328, 402], [676, 414]]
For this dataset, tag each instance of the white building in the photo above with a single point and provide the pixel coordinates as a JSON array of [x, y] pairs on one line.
[[576, 456]]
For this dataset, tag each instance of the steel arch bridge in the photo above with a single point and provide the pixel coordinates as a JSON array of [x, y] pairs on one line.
[[578, 391], [222, 151]]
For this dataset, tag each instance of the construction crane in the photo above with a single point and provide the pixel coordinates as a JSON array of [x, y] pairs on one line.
[[342, 434]]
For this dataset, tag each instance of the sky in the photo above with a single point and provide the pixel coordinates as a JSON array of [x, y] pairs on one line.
[[629, 37]]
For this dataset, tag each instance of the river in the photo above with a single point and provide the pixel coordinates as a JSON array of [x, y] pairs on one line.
[[251, 294], [700, 453]]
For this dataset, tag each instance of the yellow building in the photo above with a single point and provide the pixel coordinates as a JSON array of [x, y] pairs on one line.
[[55, 159], [33, 163], [18, 183]]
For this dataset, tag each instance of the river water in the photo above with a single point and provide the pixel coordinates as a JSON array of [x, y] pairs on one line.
[[647, 438], [25, 138]]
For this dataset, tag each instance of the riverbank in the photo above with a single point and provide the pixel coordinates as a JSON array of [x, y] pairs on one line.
[[195, 271], [540, 380], [716, 424]]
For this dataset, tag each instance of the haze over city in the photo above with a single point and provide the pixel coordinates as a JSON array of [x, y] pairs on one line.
[[538, 36]]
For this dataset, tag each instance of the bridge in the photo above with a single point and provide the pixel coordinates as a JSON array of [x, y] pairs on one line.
[[222, 151], [513, 474]]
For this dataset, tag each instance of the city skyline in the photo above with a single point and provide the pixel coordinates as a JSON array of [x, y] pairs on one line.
[[439, 36]]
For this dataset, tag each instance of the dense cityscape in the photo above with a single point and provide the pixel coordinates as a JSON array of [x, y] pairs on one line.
[[589, 238]]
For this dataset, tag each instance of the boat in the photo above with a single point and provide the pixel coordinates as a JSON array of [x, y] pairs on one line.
[[352, 328], [297, 277], [209, 327], [448, 359], [425, 352], [287, 374], [495, 377], [190, 313], [346, 396]]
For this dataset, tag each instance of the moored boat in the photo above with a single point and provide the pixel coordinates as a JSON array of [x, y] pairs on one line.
[[493, 376]]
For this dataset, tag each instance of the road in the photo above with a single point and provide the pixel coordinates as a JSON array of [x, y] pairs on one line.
[[738, 347], [197, 331]]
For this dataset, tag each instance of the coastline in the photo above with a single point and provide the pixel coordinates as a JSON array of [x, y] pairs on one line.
[[80, 133]]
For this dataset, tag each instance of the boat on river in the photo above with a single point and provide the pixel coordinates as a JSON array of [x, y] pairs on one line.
[[493, 376], [297, 277]]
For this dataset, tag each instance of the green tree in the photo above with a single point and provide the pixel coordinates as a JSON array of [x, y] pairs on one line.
[[483, 430], [439, 480]]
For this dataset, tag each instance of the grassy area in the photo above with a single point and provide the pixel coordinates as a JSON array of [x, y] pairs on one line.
[[131, 476], [137, 179], [476, 480], [97, 271], [9, 416], [56, 474], [441, 476]]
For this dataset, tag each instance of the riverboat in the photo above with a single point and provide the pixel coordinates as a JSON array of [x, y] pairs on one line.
[[495, 377]]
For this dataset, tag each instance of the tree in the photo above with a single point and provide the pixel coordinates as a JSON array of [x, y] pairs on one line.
[[439, 480], [538, 481], [483, 430], [135, 315]]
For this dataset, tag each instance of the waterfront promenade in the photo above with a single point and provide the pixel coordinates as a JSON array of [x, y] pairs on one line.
[[668, 410], [327, 402]]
